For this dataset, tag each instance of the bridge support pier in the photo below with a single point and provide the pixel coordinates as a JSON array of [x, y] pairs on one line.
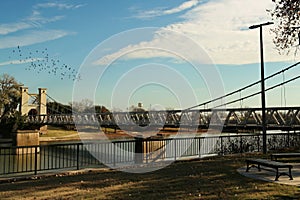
[[149, 150], [25, 140], [139, 150]]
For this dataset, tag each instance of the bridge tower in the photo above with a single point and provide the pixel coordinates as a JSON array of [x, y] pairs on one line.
[[42, 101], [33, 104]]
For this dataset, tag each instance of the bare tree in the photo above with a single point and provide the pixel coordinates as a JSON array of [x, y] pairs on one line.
[[286, 14], [83, 106]]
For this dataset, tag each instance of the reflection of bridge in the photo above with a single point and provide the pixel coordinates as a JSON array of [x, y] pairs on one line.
[[243, 118], [277, 118]]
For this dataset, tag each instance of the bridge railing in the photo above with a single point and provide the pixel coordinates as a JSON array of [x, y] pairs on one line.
[[287, 118], [32, 159]]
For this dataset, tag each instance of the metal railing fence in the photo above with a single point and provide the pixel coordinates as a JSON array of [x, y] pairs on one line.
[[32, 159]]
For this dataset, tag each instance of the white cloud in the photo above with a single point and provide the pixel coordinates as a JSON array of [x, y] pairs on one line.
[[182, 7], [219, 27], [22, 61], [33, 21], [32, 37], [13, 27], [164, 44], [30, 25], [57, 5], [159, 11], [37, 18]]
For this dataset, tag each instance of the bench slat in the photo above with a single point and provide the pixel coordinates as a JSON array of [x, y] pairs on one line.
[[269, 163]]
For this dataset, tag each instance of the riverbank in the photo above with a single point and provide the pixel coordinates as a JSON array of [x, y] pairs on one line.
[[55, 134]]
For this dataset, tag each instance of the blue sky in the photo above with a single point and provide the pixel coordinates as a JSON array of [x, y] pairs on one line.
[[45, 44]]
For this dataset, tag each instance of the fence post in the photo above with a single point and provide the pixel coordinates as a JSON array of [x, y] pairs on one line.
[[139, 150], [35, 159], [77, 156]]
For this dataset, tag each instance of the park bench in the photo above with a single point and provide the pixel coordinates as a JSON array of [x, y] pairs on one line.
[[271, 164], [274, 156]]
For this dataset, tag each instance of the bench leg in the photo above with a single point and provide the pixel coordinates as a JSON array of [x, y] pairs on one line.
[[283, 173], [277, 175], [247, 167], [290, 174]]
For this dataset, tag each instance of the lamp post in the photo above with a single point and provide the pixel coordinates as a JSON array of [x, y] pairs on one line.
[[262, 72]]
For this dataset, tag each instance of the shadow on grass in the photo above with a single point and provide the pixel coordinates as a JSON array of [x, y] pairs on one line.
[[214, 178]]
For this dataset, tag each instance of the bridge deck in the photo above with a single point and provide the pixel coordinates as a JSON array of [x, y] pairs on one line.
[[244, 118]]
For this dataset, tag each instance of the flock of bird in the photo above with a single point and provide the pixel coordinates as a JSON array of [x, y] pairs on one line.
[[40, 61]]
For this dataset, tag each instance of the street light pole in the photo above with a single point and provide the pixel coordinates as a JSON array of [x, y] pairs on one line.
[[262, 73]]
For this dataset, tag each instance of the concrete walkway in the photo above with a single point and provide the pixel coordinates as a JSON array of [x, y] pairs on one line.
[[269, 176]]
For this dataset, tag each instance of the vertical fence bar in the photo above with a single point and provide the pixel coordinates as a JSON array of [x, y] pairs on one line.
[[288, 139], [222, 147], [175, 149], [35, 160], [59, 156], [63, 156], [199, 146], [18, 159], [77, 156], [4, 161], [147, 150], [258, 143], [241, 144], [15, 162], [50, 158], [114, 153], [9, 161]]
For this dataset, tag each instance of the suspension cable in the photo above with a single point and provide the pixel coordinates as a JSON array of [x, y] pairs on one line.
[[244, 88], [59, 103], [256, 93]]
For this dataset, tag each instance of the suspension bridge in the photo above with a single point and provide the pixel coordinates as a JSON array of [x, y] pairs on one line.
[[230, 119]]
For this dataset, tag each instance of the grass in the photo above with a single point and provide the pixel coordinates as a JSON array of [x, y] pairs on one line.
[[58, 133], [53, 131], [214, 178]]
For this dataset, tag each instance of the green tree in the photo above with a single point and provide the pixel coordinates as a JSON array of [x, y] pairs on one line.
[[286, 15], [9, 99]]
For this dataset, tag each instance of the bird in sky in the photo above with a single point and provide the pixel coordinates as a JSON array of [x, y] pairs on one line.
[[40, 61]]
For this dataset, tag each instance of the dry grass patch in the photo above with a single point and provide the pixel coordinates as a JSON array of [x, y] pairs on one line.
[[214, 178]]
